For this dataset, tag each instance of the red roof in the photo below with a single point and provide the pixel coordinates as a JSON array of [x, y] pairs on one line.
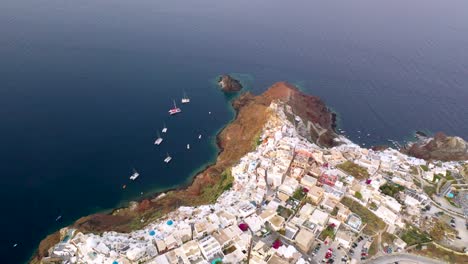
[[277, 244], [243, 226]]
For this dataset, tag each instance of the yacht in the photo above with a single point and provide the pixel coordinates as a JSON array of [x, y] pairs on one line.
[[164, 130], [134, 175], [185, 99], [158, 140], [199, 136], [58, 218], [188, 146], [174, 110], [167, 159], [15, 245]]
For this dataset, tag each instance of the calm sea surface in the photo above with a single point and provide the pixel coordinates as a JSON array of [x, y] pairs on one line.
[[86, 85]]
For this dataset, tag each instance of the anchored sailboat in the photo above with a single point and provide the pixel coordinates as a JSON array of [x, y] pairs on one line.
[[158, 140], [185, 99], [174, 110], [168, 158], [164, 130], [134, 175]]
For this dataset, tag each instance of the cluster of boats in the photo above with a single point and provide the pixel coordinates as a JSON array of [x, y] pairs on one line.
[[175, 110]]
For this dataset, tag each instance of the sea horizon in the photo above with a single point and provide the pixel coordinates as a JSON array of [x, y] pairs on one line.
[[86, 86]]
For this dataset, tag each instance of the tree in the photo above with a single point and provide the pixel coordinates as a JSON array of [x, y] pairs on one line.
[[358, 195]]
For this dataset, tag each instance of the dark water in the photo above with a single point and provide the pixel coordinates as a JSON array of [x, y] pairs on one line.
[[85, 85]]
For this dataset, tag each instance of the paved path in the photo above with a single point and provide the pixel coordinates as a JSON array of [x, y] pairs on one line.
[[403, 259]]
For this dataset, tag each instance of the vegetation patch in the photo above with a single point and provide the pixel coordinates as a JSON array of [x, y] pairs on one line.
[[440, 230], [424, 168], [334, 212], [417, 182], [284, 212], [373, 248], [328, 232], [299, 194], [391, 189], [210, 193], [413, 236], [373, 223], [429, 190], [388, 238], [353, 169], [449, 176], [257, 141], [451, 202], [358, 195], [373, 206], [437, 177]]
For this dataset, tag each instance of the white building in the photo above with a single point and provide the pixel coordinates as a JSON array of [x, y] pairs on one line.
[[289, 186], [275, 176], [319, 218], [209, 247]]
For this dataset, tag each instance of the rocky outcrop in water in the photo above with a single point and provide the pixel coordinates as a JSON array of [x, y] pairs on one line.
[[229, 84], [440, 147]]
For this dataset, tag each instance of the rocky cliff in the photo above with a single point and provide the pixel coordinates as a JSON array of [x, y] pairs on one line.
[[440, 147]]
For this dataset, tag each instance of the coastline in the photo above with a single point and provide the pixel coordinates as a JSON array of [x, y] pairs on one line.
[[126, 204], [236, 135]]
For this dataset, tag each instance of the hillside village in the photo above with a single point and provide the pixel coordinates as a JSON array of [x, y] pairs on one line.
[[292, 201]]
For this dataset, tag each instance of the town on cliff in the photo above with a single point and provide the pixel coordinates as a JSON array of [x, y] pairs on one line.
[[285, 189]]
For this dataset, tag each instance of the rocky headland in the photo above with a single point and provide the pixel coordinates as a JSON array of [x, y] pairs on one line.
[[440, 147], [229, 84], [234, 141]]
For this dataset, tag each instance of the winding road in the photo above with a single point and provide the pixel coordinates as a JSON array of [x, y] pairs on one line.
[[403, 259]]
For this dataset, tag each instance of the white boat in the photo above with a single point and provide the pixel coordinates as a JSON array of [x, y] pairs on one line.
[[167, 159], [58, 218], [174, 110], [15, 245], [209, 113], [134, 175], [188, 146], [164, 130], [199, 136], [158, 140], [185, 99]]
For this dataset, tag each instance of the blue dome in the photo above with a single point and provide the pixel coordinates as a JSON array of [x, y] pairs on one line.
[[152, 233], [170, 222]]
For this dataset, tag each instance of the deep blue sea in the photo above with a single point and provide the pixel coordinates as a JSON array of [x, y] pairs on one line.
[[85, 86]]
